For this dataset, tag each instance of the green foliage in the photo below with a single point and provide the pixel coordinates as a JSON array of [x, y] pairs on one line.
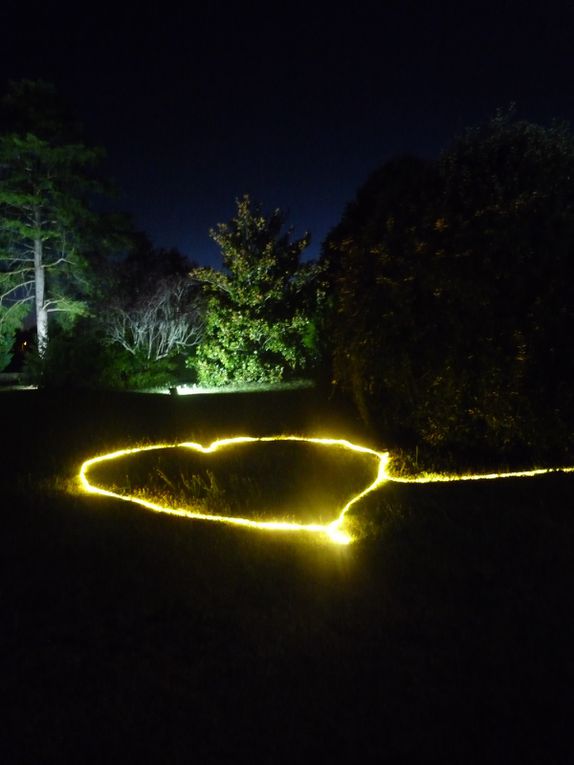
[[138, 372], [81, 357], [46, 223], [259, 311], [11, 319], [76, 358], [452, 317]]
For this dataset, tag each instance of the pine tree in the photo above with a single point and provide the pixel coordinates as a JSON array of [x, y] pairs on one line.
[[45, 215]]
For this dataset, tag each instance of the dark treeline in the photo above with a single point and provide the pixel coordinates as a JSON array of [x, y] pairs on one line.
[[451, 306], [441, 303]]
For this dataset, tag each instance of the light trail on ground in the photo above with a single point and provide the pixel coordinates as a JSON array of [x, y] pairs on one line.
[[332, 531]]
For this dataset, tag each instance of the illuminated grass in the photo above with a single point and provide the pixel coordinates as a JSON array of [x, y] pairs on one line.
[[450, 477], [333, 530], [190, 390]]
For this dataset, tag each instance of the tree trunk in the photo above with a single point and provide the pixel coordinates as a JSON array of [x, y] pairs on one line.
[[40, 286]]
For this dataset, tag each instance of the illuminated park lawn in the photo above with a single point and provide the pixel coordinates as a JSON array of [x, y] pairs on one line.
[[273, 483]]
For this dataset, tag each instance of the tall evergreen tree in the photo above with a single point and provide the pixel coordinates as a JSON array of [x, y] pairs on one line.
[[45, 214], [258, 321]]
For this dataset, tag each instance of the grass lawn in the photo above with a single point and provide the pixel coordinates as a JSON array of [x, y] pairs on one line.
[[445, 634]]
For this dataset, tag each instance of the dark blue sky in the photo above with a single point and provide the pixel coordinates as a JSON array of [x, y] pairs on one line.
[[295, 104]]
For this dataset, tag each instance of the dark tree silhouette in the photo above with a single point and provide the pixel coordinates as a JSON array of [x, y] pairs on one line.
[[451, 308]]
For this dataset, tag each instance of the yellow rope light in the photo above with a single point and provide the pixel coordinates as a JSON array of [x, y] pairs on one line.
[[333, 531]]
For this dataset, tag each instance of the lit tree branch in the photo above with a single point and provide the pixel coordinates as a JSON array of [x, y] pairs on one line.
[[160, 323], [27, 284]]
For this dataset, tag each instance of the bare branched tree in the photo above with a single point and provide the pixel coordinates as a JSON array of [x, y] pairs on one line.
[[163, 320]]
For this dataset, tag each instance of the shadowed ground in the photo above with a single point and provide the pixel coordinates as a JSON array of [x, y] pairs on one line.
[[445, 634]]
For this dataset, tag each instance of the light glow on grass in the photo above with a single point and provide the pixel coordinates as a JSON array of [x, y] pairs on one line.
[[190, 390], [449, 477], [333, 531]]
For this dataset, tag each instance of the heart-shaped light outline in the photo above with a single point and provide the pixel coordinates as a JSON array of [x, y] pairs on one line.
[[333, 531]]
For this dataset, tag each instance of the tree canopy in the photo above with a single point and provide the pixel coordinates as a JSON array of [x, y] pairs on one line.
[[46, 217], [452, 314], [258, 319]]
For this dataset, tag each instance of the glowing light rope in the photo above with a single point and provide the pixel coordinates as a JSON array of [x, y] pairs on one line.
[[449, 477], [333, 530]]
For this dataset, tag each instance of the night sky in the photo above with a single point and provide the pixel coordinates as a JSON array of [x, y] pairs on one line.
[[293, 103]]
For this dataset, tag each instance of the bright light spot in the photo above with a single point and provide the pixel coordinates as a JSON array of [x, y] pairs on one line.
[[191, 390], [337, 536], [332, 531]]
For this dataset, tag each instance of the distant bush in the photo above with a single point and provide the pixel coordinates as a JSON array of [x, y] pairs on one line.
[[81, 358]]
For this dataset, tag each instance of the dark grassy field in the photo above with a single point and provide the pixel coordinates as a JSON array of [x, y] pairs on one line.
[[445, 634]]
